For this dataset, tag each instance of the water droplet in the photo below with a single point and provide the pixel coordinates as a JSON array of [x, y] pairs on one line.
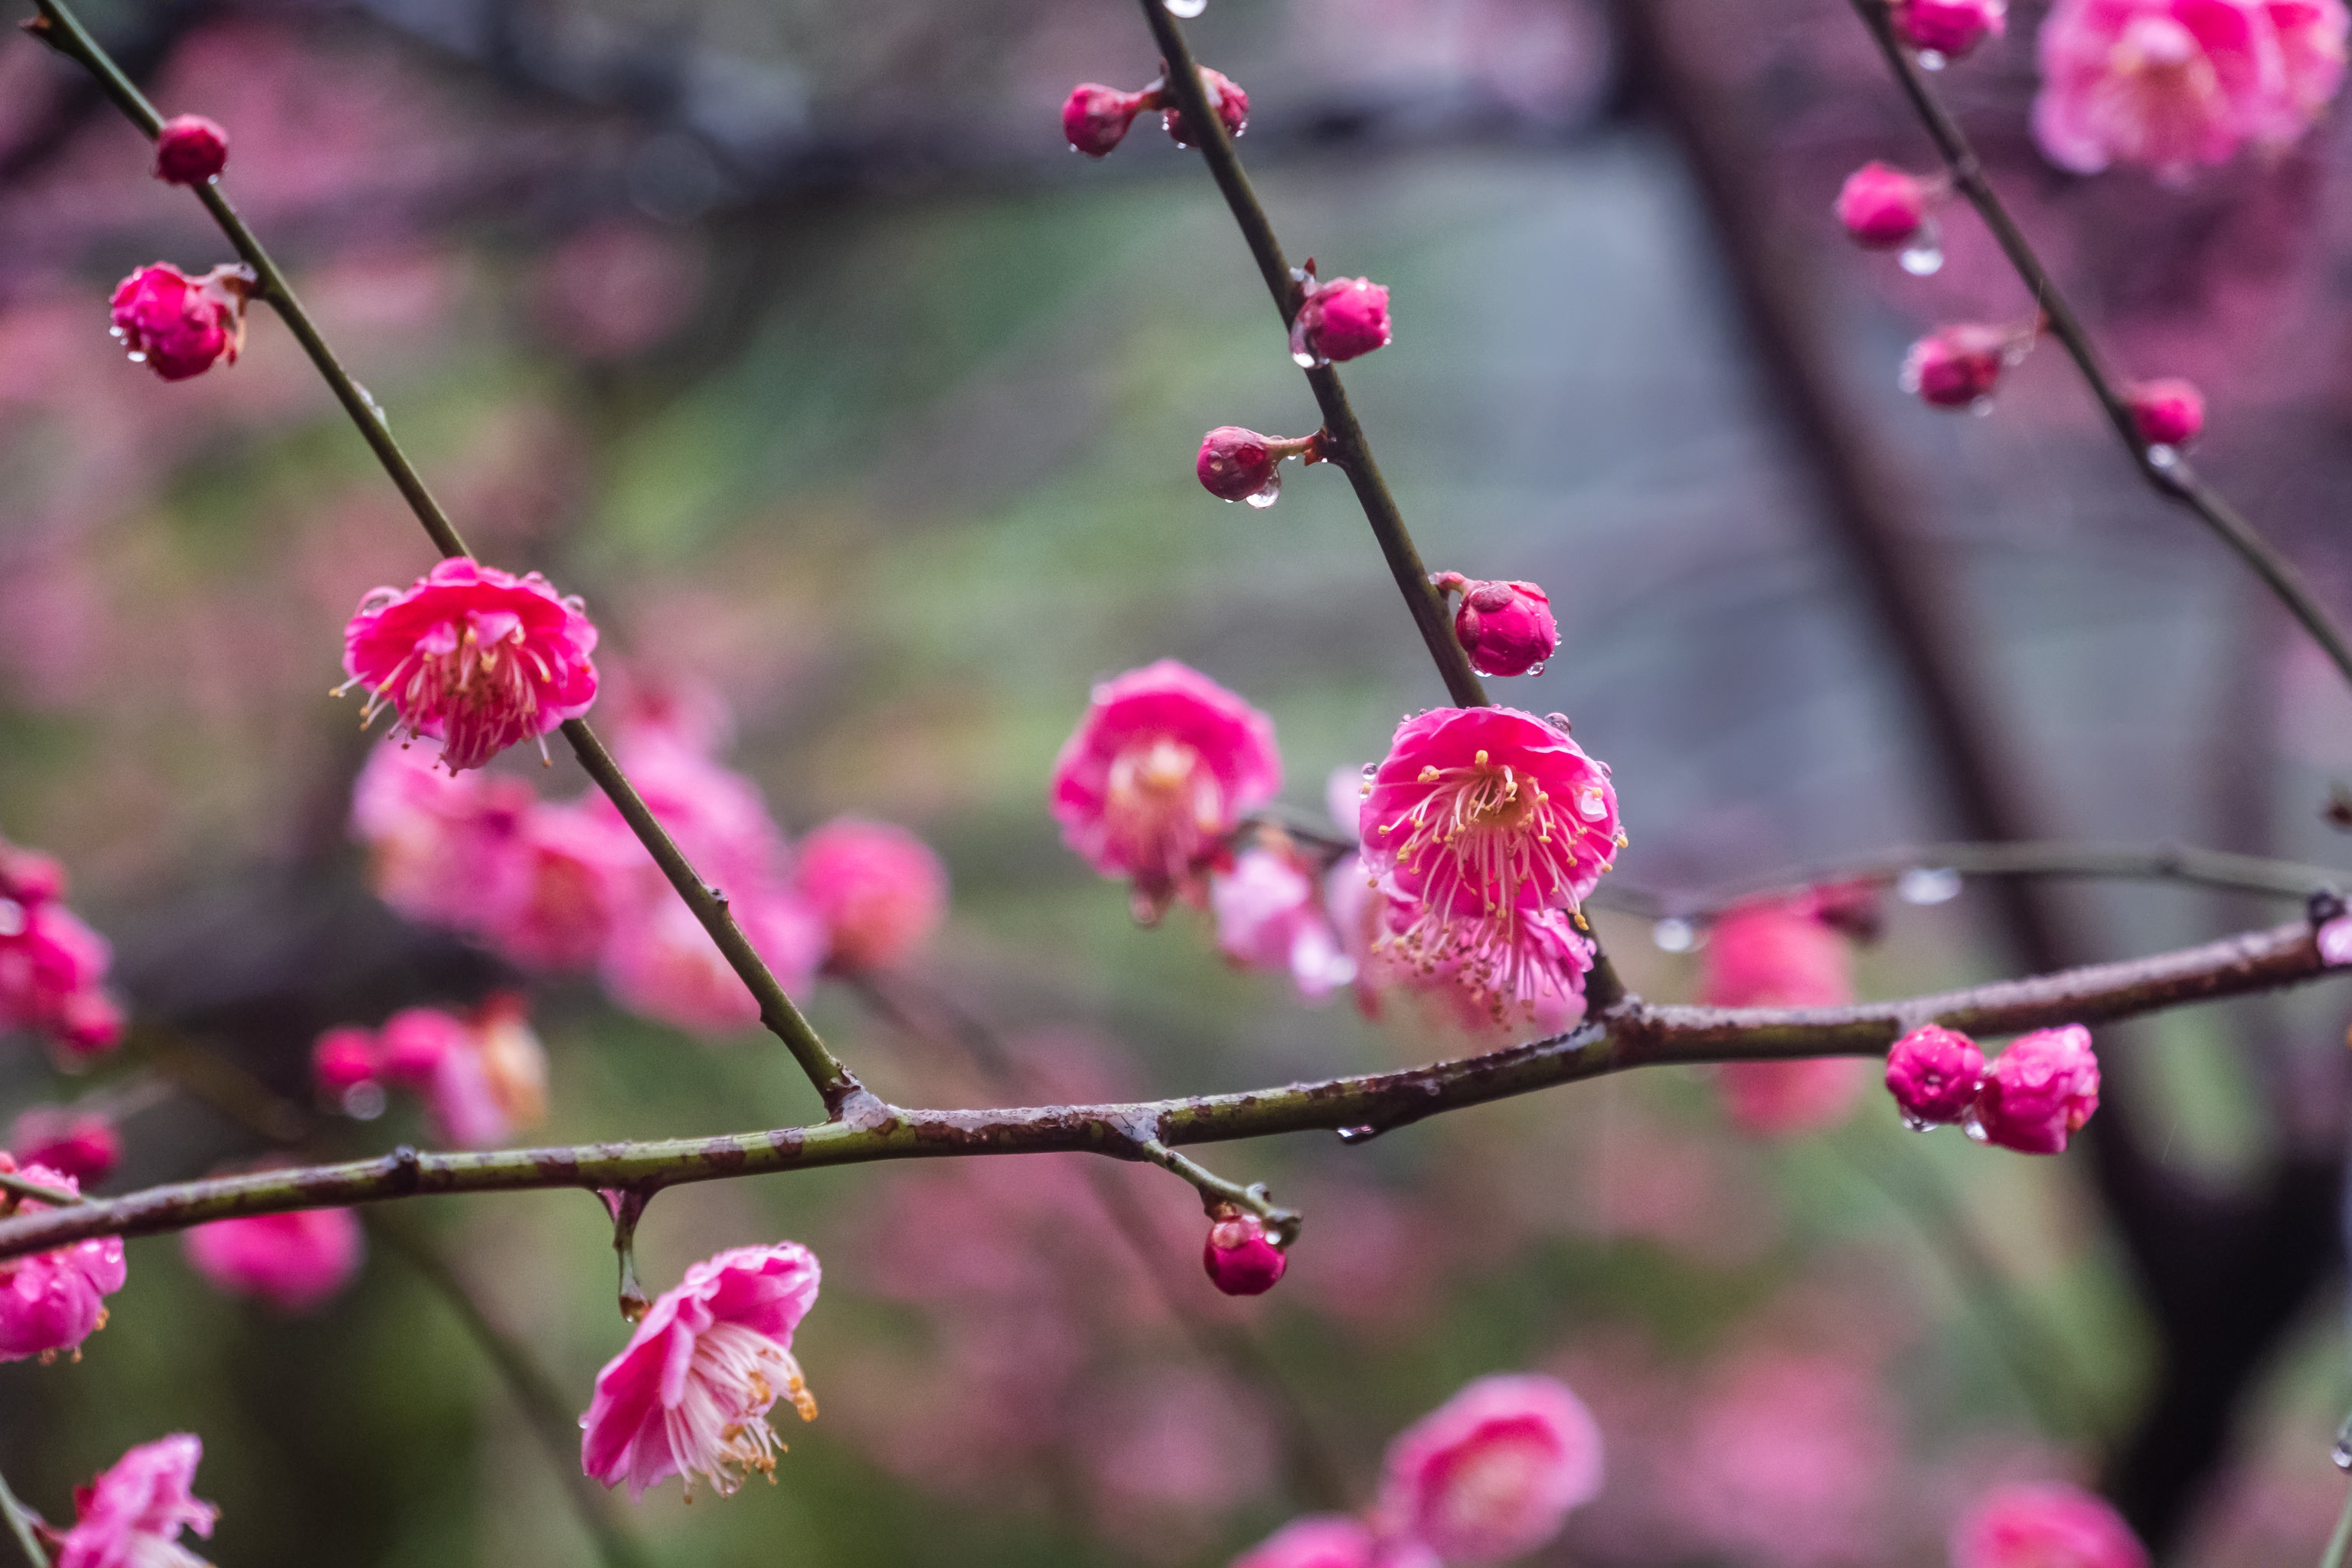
[[2163, 456], [1268, 496], [1923, 257], [1973, 1125], [1909, 380], [1981, 407], [138, 356], [1358, 1134], [2343, 1454], [114, 331], [1560, 722], [1918, 1123], [1371, 770], [1927, 885], [1929, 59], [364, 1101], [1303, 360], [1674, 934], [1187, 9]]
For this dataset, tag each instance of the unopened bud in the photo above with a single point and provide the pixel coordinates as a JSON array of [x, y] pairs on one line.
[[1231, 105], [180, 326], [190, 150], [1236, 464], [1507, 629], [1881, 205], [1095, 118], [1950, 27], [1240, 1259], [2168, 412], [2039, 1091], [1953, 367], [1342, 320], [343, 1060], [1935, 1075]]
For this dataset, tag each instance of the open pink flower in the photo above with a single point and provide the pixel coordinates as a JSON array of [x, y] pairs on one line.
[[2311, 36], [51, 1301], [690, 1393], [131, 1516], [293, 1261], [565, 878], [475, 657], [81, 1143], [1493, 1472], [180, 326], [1270, 915], [445, 848], [1333, 1540], [879, 889], [2165, 84], [2044, 1525], [2039, 1091], [1159, 770]]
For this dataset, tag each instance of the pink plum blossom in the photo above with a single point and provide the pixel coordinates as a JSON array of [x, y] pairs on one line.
[[2167, 84], [482, 1078], [52, 966], [190, 150], [1789, 1462], [1493, 1472], [1241, 1258], [1344, 319], [1954, 366], [82, 1145], [2046, 1525], [1270, 916], [1159, 770], [180, 326], [1882, 206], [2039, 1091], [1333, 1540], [690, 1391], [562, 881], [51, 1301], [131, 1516], [293, 1261], [1230, 102], [1950, 27], [879, 889], [1507, 629], [474, 657], [1486, 827], [1934, 1074], [661, 964], [445, 848], [1095, 118], [2168, 412], [1781, 953]]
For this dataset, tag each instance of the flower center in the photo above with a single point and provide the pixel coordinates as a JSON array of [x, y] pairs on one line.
[[718, 1427], [1162, 807]]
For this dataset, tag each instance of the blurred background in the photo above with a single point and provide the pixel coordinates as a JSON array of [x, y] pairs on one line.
[[795, 338]]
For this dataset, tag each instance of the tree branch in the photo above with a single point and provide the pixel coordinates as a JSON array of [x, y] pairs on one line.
[[1632, 1035]]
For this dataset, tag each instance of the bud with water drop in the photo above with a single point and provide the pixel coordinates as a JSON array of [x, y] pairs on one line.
[[180, 326], [2166, 412], [1224, 95], [1241, 1259], [2038, 1092], [1882, 206], [1507, 629], [190, 150], [1344, 319], [1095, 118], [1934, 1074], [1958, 366], [1236, 464], [1949, 28]]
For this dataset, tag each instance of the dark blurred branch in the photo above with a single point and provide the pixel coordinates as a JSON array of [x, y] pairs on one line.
[[1632, 1035], [2171, 479], [834, 1082], [20, 1521]]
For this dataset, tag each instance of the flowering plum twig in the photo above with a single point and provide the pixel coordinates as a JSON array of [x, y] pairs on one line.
[[1632, 1034], [2166, 471], [1281, 1222], [58, 27]]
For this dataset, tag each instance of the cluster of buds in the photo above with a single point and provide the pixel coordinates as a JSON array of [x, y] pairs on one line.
[[481, 1077], [179, 326], [1507, 629], [1095, 118], [1236, 464], [52, 966], [2031, 1097]]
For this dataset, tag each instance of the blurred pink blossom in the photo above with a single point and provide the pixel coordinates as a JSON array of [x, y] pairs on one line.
[[53, 967], [190, 150], [1789, 1463], [131, 1515], [482, 1077], [1270, 915], [879, 889], [81, 1143], [616, 289], [51, 1301], [1493, 1472], [180, 326], [661, 964], [1781, 1099], [293, 1261], [2048, 1525]]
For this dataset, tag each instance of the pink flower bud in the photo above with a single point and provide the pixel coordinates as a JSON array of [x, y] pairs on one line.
[[28, 877], [1095, 118], [1953, 366], [1934, 1074], [1236, 464], [1881, 205], [1233, 107], [133, 1512], [293, 1261], [190, 150], [180, 326], [1950, 27], [2168, 412], [879, 889], [82, 1145], [344, 1058], [414, 1042], [1507, 629], [1240, 1259], [2043, 1088], [51, 1301], [1342, 320], [2048, 1524]]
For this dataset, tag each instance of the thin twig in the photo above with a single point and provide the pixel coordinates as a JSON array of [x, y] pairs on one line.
[[543, 1408], [2339, 1545], [2165, 472], [1631, 1036], [20, 1527], [18, 1186], [834, 1082]]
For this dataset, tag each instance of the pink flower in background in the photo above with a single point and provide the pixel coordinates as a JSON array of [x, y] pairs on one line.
[[1507, 629], [563, 876], [1240, 1258], [1782, 1100], [2166, 412], [1095, 118], [1789, 1463], [482, 1078], [2311, 35], [52, 966], [343, 1060], [2166, 84], [180, 326], [1882, 206], [2039, 1090], [1269, 916], [1344, 319], [1775, 954], [617, 289], [293, 1261], [715, 815], [474, 657], [2048, 1525], [1934, 1074], [1950, 27], [1954, 366], [51, 1301], [1230, 102], [82, 1145], [661, 964], [1493, 1472], [879, 889], [1159, 770], [445, 848], [690, 1393], [190, 150], [131, 1516], [1333, 1540]]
